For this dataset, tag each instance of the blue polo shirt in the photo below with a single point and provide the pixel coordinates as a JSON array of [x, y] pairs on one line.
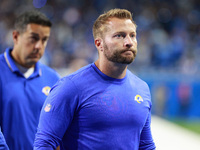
[[88, 110], [21, 100]]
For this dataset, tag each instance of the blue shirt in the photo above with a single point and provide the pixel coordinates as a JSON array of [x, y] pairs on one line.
[[3, 145], [88, 110], [21, 100]]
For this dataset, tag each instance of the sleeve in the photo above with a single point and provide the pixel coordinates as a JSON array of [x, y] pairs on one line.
[[146, 140], [3, 145], [56, 115], [0, 101]]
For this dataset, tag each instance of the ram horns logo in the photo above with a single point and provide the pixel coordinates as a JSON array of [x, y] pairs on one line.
[[46, 90], [138, 98]]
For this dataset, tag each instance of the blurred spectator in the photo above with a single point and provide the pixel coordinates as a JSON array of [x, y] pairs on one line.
[[160, 94], [184, 98]]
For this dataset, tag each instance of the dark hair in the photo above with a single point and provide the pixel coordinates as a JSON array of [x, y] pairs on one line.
[[29, 17]]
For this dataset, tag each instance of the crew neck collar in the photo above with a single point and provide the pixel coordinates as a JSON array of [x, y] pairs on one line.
[[107, 78]]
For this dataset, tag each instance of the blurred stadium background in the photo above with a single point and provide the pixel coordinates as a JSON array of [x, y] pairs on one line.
[[168, 48]]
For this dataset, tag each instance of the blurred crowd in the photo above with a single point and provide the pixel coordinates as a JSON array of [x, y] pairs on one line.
[[168, 32]]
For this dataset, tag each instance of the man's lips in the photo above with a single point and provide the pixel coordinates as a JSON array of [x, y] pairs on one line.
[[34, 56], [129, 52]]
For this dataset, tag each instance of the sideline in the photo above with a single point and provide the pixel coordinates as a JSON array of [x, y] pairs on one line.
[[169, 136]]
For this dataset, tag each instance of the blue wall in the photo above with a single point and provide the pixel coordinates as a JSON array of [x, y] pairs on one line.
[[174, 95]]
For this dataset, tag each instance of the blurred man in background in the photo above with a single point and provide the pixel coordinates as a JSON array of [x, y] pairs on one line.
[[24, 81], [103, 105]]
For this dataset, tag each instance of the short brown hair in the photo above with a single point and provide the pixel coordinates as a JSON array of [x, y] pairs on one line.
[[99, 27]]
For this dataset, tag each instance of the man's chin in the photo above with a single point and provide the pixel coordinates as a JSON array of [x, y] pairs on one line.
[[31, 63], [126, 61]]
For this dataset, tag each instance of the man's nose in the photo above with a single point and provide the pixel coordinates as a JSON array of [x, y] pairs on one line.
[[128, 41], [39, 44]]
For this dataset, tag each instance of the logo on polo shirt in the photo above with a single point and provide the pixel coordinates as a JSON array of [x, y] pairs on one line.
[[46, 90], [138, 99]]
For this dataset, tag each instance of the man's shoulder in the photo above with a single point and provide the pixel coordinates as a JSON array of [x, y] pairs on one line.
[[2, 57], [3, 63], [81, 73], [48, 70], [79, 78], [45, 67], [136, 79], [133, 75]]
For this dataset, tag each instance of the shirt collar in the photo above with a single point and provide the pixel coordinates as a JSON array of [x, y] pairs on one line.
[[11, 64]]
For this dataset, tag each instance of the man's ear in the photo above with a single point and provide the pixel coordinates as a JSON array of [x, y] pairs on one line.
[[15, 36], [99, 44]]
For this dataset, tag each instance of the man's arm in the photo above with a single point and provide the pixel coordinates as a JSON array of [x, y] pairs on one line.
[[146, 140], [56, 115]]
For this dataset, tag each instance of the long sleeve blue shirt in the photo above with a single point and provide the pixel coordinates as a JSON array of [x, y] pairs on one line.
[[88, 110]]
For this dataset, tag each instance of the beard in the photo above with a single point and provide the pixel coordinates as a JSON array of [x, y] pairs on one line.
[[117, 57]]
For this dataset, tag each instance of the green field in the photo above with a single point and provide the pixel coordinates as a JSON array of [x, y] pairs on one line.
[[190, 125]]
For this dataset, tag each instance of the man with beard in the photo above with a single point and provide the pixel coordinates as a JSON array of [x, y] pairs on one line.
[[102, 105]]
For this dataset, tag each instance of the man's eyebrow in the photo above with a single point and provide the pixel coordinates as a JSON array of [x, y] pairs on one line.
[[124, 32], [134, 32], [119, 32], [35, 34]]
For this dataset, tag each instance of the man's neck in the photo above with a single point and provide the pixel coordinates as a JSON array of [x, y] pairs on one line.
[[111, 69], [27, 72]]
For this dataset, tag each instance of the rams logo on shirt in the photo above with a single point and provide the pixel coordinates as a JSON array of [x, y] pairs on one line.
[[138, 98], [46, 90]]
